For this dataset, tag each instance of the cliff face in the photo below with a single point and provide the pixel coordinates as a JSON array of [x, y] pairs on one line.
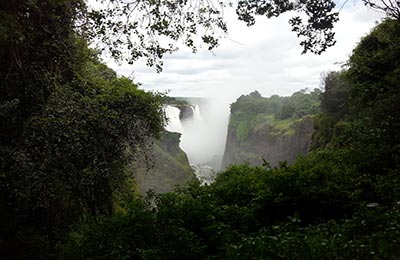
[[184, 106], [169, 168], [186, 112], [270, 144], [265, 128]]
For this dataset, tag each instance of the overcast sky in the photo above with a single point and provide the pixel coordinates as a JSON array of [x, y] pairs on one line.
[[265, 57]]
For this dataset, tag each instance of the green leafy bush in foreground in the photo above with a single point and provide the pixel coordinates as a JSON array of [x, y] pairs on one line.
[[250, 213]]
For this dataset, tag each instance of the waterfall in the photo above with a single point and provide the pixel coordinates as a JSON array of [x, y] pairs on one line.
[[192, 140], [196, 113], [173, 122], [201, 137]]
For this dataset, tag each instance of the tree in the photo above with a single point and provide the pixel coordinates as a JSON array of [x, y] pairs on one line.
[[389, 7], [373, 71], [68, 126], [150, 29], [37, 49], [135, 29], [334, 100]]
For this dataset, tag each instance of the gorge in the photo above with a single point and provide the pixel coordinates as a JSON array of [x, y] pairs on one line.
[[197, 131], [273, 130]]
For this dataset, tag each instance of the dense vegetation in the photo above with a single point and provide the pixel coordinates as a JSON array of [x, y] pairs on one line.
[[175, 101], [339, 202], [69, 127], [270, 129], [253, 111]]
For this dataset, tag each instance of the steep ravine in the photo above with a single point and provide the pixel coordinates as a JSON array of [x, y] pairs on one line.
[[168, 165], [273, 129], [195, 131]]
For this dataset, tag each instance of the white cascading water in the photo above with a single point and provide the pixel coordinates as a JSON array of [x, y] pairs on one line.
[[195, 141], [196, 113], [174, 123]]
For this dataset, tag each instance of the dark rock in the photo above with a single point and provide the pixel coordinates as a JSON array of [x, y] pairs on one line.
[[169, 168], [186, 112], [269, 144]]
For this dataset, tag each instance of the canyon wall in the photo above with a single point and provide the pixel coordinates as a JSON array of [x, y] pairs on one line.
[[168, 166], [274, 129]]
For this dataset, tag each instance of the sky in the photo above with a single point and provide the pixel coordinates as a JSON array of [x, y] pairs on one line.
[[265, 57]]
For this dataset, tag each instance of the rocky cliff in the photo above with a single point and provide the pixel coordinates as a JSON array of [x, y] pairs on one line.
[[185, 108], [275, 129], [169, 166]]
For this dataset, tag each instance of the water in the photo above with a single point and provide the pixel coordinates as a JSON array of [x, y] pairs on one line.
[[204, 173], [174, 123], [196, 114], [195, 141]]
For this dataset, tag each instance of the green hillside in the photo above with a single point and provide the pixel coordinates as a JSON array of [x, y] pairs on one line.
[[273, 129]]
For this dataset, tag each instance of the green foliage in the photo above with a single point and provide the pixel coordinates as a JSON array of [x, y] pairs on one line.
[[372, 233], [374, 73], [312, 209], [335, 98], [374, 63], [67, 127], [253, 112], [72, 156], [335, 107], [175, 101], [121, 29], [242, 130], [359, 104], [317, 33], [38, 50], [295, 106], [300, 104]]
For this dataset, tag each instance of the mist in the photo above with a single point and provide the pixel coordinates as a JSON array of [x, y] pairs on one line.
[[203, 136]]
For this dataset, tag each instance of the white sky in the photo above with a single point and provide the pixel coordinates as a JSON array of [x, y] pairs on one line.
[[268, 59]]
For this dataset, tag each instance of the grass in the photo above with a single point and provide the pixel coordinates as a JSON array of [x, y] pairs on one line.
[[279, 127]]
